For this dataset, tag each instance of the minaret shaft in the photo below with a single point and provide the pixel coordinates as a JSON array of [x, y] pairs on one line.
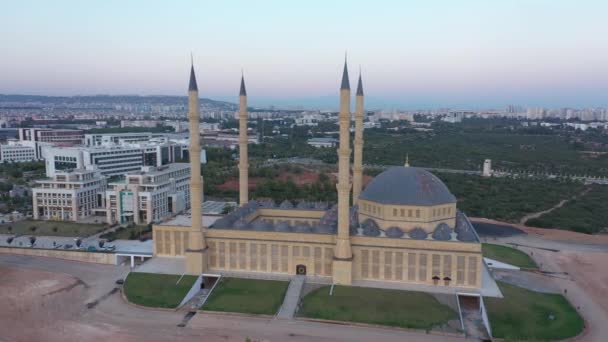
[[196, 252], [343, 247], [196, 182], [243, 152]]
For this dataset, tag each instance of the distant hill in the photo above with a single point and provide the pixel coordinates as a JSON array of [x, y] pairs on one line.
[[33, 100]]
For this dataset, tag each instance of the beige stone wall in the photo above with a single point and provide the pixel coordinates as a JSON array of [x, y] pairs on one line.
[[381, 259], [407, 217], [93, 257]]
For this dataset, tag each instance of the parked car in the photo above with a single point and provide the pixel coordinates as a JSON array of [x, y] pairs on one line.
[[120, 281], [68, 246]]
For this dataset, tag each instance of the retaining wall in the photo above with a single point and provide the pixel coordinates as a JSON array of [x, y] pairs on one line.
[[93, 257]]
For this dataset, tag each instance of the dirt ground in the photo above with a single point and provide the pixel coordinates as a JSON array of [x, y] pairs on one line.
[[552, 234], [590, 271], [34, 301], [50, 305]]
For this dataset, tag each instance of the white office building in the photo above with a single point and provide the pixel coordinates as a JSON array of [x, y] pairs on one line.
[[16, 152], [150, 195], [68, 195]]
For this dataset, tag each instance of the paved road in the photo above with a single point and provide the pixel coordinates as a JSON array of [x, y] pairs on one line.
[[113, 319]]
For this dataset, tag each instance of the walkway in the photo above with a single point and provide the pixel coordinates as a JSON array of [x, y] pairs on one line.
[[292, 298]]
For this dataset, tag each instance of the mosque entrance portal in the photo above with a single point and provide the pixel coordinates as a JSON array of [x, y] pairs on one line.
[[301, 269]]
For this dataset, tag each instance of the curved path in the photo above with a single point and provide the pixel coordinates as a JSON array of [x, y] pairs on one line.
[[558, 205]]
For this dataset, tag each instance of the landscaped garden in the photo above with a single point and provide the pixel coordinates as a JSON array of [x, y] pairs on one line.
[[406, 309], [533, 316], [508, 255], [157, 290], [51, 228], [252, 296]]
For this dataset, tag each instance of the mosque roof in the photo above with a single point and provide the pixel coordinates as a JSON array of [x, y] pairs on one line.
[[403, 185]]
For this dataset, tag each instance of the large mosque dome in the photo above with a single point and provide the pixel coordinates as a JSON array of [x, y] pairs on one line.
[[404, 185]]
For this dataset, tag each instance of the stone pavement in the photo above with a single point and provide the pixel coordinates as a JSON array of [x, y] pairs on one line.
[[292, 298]]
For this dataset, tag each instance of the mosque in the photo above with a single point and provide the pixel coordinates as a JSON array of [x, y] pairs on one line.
[[403, 229]]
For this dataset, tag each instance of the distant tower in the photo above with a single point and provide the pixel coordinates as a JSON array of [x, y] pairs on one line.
[[487, 168], [358, 162], [243, 157], [196, 256], [343, 256]]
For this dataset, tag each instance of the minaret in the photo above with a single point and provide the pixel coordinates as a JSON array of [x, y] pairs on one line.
[[196, 261], [342, 264], [243, 157], [358, 162]]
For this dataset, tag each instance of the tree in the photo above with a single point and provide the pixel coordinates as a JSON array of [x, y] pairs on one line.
[[78, 243], [101, 243], [33, 228], [10, 229], [32, 240], [55, 229], [9, 240]]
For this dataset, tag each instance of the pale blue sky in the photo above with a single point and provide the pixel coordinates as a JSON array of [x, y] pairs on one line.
[[428, 53]]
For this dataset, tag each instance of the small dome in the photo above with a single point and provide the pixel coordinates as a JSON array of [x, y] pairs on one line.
[[394, 232], [240, 224], [321, 205], [304, 205], [283, 227], [286, 205], [370, 228], [464, 229], [442, 232], [304, 227], [267, 204], [418, 234], [407, 186]]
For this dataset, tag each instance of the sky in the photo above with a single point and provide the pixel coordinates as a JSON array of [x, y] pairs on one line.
[[414, 54]]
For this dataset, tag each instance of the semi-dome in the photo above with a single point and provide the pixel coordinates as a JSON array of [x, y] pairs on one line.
[[442, 232], [404, 185]]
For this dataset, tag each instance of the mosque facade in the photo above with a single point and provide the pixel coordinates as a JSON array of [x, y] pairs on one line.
[[402, 228]]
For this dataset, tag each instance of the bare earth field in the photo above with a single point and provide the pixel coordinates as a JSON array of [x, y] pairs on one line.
[[42, 300]]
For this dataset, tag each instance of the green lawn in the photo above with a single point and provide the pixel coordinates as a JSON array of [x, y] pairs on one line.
[[261, 297], [407, 309], [127, 233], [51, 228], [507, 254], [525, 315], [157, 290]]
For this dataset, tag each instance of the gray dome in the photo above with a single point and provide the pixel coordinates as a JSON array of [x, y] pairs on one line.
[[240, 224], [261, 226], [442, 232], [282, 226], [394, 232], [305, 205], [464, 229], [223, 222], [418, 234], [407, 186], [286, 205], [267, 204], [303, 228], [370, 228]]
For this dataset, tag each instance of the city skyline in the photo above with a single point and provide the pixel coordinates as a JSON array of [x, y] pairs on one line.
[[419, 55]]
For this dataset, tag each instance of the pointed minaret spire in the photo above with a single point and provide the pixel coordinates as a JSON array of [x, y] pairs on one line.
[[243, 91], [345, 82], [360, 85], [358, 143], [192, 86]]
